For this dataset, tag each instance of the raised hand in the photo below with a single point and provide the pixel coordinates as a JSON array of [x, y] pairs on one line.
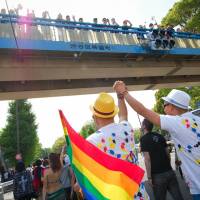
[[120, 87]]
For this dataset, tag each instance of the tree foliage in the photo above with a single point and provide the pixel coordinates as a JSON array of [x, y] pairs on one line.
[[87, 129], [137, 135], [45, 152], [59, 143], [28, 139], [194, 92], [185, 13]]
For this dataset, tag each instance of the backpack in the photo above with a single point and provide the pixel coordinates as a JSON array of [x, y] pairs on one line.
[[37, 178], [22, 184]]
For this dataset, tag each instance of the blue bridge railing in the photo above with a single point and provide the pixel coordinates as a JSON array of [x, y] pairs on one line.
[[61, 35]]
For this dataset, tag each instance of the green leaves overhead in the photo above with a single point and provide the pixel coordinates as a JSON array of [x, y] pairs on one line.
[[185, 13]]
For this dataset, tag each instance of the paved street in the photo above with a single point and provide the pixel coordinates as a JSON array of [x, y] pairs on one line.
[[183, 187]]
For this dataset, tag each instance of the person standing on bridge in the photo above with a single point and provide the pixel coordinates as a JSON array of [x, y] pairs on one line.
[[157, 161], [183, 126]]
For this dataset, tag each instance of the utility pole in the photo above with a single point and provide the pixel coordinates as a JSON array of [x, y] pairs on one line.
[[17, 125]]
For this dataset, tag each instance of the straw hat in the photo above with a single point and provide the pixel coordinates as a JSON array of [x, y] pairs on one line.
[[104, 106]]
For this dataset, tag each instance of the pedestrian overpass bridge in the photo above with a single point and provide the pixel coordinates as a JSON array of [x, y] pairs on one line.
[[45, 57]]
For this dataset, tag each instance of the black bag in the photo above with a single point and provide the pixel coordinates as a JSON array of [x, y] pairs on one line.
[[22, 184], [34, 194]]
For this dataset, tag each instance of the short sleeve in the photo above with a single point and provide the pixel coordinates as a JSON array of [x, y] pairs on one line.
[[92, 139], [169, 123], [127, 126], [163, 141], [144, 144]]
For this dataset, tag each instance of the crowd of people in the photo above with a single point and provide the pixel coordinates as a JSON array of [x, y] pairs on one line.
[[50, 178], [67, 18], [161, 37], [53, 178]]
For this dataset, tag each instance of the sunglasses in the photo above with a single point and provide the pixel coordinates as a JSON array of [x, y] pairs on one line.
[[165, 104]]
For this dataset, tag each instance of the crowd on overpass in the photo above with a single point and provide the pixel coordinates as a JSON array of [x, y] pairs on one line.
[[158, 36], [67, 19]]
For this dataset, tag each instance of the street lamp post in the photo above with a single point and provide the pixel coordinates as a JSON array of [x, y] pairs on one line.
[[17, 125]]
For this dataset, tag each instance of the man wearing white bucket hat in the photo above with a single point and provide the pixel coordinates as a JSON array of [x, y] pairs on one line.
[[183, 126]]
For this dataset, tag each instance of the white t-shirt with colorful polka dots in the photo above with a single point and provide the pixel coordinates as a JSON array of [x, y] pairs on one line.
[[116, 139], [185, 132]]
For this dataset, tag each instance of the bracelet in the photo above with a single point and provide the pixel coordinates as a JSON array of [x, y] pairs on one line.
[[149, 178]]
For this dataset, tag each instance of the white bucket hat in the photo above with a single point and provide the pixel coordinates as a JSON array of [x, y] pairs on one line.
[[178, 98]]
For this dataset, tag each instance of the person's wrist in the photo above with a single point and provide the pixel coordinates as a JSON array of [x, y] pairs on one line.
[[120, 96], [125, 92], [149, 178]]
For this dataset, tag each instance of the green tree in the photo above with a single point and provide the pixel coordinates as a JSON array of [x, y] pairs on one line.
[[45, 152], [185, 13], [38, 151], [137, 135], [59, 143], [87, 129], [28, 139]]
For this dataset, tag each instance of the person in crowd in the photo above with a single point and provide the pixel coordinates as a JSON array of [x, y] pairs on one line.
[[68, 18], [30, 14], [170, 31], [29, 168], [45, 165], [19, 7], [105, 21], [80, 19], [113, 22], [3, 11], [2, 173], [46, 31], [179, 30], [95, 20], [74, 18], [52, 187], [67, 177], [22, 182], [157, 161], [115, 139], [59, 17], [12, 12], [151, 26], [127, 23], [45, 15], [183, 126], [38, 174]]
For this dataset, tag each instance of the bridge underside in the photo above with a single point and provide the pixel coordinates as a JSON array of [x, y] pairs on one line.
[[30, 74]]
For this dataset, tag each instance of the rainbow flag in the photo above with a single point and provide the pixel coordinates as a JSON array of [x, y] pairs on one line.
[[100, 175]]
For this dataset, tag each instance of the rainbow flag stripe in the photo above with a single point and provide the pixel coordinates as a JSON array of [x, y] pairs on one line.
[[100, 175]]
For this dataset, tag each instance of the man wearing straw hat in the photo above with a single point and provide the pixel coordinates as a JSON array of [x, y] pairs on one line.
[[183, 126], [115, 139]]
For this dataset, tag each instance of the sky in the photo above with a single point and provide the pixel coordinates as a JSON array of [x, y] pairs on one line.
[[76, 108]]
